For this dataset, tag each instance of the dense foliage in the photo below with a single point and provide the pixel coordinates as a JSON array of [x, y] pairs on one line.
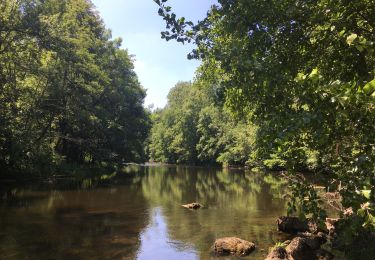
[[304, 72], [193, 129], [67, 91]]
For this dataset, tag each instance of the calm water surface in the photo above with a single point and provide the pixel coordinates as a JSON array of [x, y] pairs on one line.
[[138, 215]]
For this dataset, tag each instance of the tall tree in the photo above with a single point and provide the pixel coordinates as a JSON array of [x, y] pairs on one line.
[[304, 71], [68, 92]]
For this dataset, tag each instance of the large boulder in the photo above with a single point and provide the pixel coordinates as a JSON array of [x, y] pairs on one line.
[[194, 205], [299, 249], [307, 247], [314, 241], [293, 225], [232, 246]]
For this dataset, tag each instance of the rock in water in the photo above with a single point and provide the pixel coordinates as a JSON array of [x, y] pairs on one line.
[[299, 249], [194, 205], [278, 253], [294, 225], [233, 246], [307, 247]]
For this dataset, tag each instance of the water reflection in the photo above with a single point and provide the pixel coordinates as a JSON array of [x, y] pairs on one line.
[[156, 244], [75, 224], [237, 203], [137, 214]]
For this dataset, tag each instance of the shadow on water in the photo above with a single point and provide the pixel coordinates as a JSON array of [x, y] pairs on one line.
[[137, 214]]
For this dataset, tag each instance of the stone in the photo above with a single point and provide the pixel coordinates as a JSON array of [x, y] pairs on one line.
[[278, 253], [299, 249], [194, 205], [314, 241], [232, 246], [305, 246], [293, 225]]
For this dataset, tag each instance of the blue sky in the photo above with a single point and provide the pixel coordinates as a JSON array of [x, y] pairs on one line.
[[158, 64]]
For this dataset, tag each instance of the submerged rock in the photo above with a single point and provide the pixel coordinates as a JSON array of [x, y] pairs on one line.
[[232, 246], [294, 225], [194, 205]]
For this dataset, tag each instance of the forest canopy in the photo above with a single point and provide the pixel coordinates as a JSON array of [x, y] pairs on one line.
[[68, 92]]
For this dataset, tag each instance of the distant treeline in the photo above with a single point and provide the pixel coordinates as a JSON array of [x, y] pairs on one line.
[[194, 128], [68, 93]]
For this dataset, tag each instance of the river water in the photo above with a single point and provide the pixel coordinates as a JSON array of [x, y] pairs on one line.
[[138, 215]]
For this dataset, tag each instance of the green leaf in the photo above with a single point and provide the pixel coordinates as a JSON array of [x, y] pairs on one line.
[[366, 193], [369, 88], [314, 75], [351, 38]]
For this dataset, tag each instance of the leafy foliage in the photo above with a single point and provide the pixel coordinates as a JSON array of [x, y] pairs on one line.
[[193, 129], [304, 72], [67, 91]]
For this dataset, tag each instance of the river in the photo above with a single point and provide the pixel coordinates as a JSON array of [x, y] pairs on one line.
[[137, 214]]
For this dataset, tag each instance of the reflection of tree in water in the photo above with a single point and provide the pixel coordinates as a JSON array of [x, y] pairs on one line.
[[172, 185], [237, 203], [75, 221], [83, 224]]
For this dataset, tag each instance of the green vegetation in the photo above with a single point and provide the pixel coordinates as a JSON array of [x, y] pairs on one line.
[[68, 93], [283, 85], [303, 72], [192, 129]]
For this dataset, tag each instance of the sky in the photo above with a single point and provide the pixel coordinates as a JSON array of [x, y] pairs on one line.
[[159, 64]]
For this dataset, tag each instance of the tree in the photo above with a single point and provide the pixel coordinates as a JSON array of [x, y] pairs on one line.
[[68, 92], [304, 72], [193, 129], [174, 137]]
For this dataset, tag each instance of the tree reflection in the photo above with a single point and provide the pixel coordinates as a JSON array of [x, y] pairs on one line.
[[223, 188], [73, 224], [111, 216], [237, 203]]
